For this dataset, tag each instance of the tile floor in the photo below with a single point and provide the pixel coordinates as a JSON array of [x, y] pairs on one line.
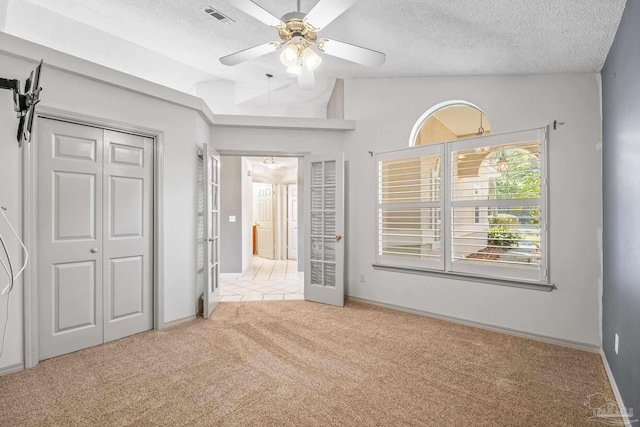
[[265, 280]]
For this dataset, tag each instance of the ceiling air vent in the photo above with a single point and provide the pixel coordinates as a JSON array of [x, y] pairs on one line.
[[219, 16]]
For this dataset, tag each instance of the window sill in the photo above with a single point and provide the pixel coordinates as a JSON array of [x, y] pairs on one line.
[[536, 286]]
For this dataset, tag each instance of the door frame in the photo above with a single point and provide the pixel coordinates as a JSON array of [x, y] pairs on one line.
[[300, 155], [30, 225]]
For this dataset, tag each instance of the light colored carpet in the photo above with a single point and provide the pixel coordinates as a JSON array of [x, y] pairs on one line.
[[298, 363]]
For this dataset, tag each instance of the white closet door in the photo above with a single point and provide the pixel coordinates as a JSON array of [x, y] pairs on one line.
[[292, 221], [324, 229], [266, 231], [128, 234], [95, 236], [70, 237], [211, 295]]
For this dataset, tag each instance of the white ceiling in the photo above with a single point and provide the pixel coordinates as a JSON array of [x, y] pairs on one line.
[[174, 43]]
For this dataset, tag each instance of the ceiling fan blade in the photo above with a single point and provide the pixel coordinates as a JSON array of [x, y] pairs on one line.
[[306, 80], [257, 11], [325, 11], [251, 53], [353, 53]]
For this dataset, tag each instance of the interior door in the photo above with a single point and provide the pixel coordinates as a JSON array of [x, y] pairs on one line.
[[95, 236], [266, 232], [292, 221], [70, 235], [324, 229], [128, 234], [212, 230]]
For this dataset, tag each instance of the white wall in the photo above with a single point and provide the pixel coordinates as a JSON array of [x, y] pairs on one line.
[[183, 130], [4, 5], [386, 110], [231, 205], [294, 141], [250, 98]]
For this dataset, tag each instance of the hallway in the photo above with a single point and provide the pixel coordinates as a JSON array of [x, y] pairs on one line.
[[265, 280]]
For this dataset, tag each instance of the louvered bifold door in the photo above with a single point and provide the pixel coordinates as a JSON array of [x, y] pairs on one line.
[[324, 229], [410, 207], [212, 230]]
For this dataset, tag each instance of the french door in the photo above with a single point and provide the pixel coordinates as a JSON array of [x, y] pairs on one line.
[[324, 229], [211, 294]]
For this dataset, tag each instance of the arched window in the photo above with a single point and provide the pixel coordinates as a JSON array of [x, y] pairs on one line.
[[449, 121], [463, 202]]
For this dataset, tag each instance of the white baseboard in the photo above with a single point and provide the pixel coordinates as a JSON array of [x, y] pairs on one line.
[[536, 337], [11, 369], [614, 386], [180, 321], [230, 276]]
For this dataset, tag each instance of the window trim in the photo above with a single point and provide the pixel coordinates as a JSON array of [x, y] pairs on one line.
[[419, 267], [520, 283], [431, 111]]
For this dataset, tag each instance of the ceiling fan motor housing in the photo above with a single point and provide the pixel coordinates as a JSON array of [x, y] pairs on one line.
[[295, 29]]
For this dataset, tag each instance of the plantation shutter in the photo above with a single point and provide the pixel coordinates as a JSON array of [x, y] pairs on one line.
[[410, 207], [497, 215]]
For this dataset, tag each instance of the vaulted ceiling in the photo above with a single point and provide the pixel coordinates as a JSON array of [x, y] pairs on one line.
[[174, 43]]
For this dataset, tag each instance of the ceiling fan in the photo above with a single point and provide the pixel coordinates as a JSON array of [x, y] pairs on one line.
[[298, 33]]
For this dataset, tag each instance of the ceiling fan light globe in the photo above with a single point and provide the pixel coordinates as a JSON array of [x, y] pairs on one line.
[[289, 56], [311, 59]]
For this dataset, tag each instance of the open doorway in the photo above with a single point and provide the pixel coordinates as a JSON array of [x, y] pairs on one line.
[[263, 192]]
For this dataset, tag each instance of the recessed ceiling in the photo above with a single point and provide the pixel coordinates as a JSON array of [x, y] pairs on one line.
[[174, 43]]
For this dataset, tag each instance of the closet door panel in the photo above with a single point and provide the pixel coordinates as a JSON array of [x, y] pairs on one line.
[[69, 237], [128, 234]]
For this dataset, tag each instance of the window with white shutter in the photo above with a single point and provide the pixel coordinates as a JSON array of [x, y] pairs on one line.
[[410, 207], [474, 206]]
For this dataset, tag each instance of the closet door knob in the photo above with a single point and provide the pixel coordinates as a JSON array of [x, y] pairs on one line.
[[94, 250]]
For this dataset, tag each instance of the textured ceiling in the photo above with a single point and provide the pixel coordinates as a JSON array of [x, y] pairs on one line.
[[176, 44]]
